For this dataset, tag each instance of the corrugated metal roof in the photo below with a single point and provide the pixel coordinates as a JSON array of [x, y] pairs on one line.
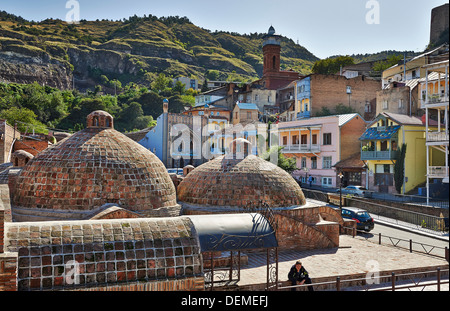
[[227, 232], [372, 133], [248, 106]]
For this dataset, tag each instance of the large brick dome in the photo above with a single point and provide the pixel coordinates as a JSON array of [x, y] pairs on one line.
[[93, 167], [238, 182]]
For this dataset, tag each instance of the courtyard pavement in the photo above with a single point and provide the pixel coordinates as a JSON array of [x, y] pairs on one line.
[[353, 256]]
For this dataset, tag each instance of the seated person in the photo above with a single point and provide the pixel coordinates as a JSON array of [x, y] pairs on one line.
[[299, 276]]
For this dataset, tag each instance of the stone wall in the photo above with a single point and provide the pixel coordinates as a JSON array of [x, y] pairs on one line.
[[104, 254]]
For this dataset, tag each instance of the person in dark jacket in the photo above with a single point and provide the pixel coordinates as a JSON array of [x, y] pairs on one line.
[[299, 276]]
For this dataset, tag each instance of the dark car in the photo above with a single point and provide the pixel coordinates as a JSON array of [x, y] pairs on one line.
[[363, 220]]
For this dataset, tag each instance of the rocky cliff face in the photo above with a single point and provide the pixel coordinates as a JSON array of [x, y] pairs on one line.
[[56, 54], [23, 64]]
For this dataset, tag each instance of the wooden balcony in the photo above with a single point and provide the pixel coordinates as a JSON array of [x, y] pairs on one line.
[[438, 171], [301, 148], [378, 155]]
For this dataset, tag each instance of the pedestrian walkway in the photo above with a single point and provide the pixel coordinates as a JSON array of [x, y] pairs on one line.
[[354, 258]]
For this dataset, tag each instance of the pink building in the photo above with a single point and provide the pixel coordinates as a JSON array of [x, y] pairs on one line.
[[321, 142]]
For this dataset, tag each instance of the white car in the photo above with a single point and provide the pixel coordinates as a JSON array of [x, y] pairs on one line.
[[357, 191]]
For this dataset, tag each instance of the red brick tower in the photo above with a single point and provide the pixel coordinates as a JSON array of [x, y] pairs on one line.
[[274, 78], [272, 52]]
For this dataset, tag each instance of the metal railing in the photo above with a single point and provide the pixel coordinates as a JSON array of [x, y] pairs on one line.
[[378, 155], [301, 147], [379, 282], [416, 220]]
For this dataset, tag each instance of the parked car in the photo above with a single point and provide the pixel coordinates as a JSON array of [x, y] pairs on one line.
[[357, 191], [363, 219]]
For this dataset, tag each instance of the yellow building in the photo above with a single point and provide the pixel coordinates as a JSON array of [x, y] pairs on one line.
[[413, 68], [380, 144]]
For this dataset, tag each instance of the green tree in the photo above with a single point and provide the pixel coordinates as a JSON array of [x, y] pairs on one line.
[[332, 65], [287, 164], [399, 168], [161, 83], [179, 88], [24, 118], [389, 62]]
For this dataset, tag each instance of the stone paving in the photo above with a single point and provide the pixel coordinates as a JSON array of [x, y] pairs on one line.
[[354, 256]]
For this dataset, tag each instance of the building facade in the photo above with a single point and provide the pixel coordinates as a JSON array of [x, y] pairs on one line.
[[318, 94], [380, 145], [319, 143], [435, 102]]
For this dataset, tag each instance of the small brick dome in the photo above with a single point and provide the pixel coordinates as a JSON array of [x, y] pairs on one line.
[[238, 182], [95, 166]]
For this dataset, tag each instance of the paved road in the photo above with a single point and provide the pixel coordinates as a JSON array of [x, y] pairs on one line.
[[397, 237]]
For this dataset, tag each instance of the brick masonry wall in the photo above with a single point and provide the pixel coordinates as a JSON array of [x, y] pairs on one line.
[[349, 138], [31, 146], [104, 253], [330, 90], [8, 272], [300, 228]]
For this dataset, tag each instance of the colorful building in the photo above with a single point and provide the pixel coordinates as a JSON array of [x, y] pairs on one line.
[[380, 145], [321, 142], [435, 101]]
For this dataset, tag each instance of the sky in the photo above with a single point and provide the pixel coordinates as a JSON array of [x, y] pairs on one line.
[[324, 27]]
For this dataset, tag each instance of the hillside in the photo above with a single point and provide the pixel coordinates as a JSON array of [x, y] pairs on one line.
[[132, 50]]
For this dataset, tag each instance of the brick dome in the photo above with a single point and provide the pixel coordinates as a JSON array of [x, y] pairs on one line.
[[95, 166], [238, 182]]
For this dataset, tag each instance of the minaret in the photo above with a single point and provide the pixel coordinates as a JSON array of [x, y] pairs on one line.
[[271, 51]]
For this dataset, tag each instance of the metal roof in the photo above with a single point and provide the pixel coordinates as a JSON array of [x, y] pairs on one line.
[[248, 106], [228, 232], [372, 133]]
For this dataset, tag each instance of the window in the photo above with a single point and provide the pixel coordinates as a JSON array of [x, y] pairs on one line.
[[249, 114], [327, 138], [285, 140], [218, 113], [304, 139], [327, 162], [385, 104], [314, 139], [295, 139], [303, 162], [400, 103], [327, 181], [368, 108], [314, 162]]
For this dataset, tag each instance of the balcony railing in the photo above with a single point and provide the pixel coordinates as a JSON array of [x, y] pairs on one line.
[[303, 115], [435, 99], [378, 155], [437, 137], [301, 148], [437, 171]]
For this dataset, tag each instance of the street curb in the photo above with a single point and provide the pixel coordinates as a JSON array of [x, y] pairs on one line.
[[386, 223]]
